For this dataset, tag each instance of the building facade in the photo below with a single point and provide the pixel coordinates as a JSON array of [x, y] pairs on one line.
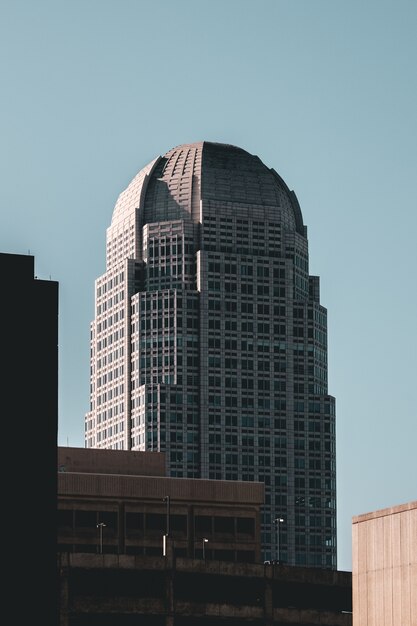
[[210, 342], [116, 502], [384, 567]]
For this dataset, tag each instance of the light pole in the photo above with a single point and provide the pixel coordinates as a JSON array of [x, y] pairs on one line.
[[167, 500], [278, 521], [100, 526], [204, 548], [168, 513]]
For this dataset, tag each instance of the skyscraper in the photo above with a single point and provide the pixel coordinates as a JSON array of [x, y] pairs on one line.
[[210, 341]]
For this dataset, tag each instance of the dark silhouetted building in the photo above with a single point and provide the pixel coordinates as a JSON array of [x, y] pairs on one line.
[[210, 342], [29, 323]]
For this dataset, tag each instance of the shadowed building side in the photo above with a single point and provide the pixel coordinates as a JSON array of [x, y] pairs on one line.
[[126, 590], [29, 322]]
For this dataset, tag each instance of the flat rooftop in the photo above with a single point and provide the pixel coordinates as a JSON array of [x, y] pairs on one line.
[[87, 472], [393, 510]]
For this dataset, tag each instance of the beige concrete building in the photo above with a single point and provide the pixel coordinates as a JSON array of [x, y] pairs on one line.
[[384, 567]]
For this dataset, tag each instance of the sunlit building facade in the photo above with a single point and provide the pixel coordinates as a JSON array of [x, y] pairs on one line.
[[210, 342]]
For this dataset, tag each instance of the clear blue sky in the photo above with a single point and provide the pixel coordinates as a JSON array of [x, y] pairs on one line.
[[323, 91]]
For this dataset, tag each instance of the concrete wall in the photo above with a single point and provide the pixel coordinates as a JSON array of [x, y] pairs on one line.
[[384, 576], [94, 461], [156, 487], [121, 590]]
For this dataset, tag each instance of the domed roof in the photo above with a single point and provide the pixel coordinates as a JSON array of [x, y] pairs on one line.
[[190, 176]]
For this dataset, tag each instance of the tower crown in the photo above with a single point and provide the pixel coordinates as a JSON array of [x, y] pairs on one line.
[[174, 186]]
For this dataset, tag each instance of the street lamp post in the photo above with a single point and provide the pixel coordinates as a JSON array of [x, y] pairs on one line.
[[168, 501], [168, 515], [278, 521], [100, 526], [204, 548]]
